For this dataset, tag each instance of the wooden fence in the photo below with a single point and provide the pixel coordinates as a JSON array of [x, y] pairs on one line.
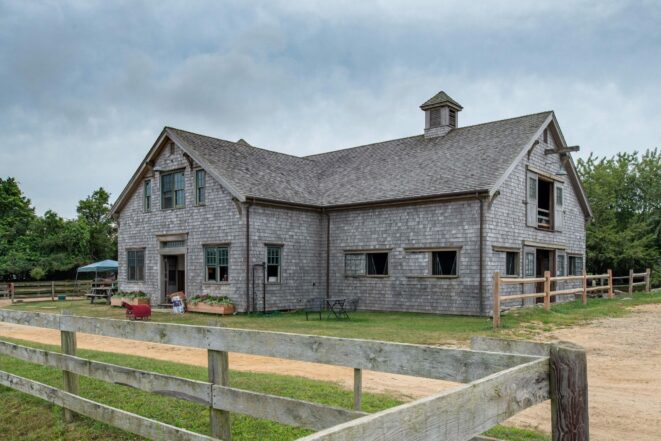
[[36, 290], [599, 283], [502, 378]]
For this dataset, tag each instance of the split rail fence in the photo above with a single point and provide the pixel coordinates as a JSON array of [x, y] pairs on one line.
[[46, 290], [590, 284], [501, 379]]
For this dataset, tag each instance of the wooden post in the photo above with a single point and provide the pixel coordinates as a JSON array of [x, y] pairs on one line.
[[630, 281], [547, 290], [357, 388], [569, 393], [52, 291], [12, 290], [611, 294], [71, 384], [585, 287], [648, 280], [496, 300], [219, 374]]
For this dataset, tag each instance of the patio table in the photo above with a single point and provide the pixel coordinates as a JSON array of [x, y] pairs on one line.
[[336, 307]]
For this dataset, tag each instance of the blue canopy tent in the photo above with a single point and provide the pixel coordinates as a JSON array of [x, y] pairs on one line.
[[98, 267]]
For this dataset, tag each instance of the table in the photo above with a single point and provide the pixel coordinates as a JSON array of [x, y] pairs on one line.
[[103, 292], [336, 307]]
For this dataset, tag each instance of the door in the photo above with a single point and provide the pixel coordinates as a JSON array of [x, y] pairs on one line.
[[545, 262], [170, 274]]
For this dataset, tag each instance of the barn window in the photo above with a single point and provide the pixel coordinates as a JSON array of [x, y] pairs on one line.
[[273, 263], [530, 264], [377, 264], [575, 267], [511, 263], [444, 263], [217, 264], [136, 265], [561, 265], [200, 187], [354, 264]]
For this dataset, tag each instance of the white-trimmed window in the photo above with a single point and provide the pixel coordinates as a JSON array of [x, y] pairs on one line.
[[135, 265], [173, 194], [273, 264], [217, 263]]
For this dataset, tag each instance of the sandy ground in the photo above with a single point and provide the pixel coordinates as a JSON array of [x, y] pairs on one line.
[[624, 372]]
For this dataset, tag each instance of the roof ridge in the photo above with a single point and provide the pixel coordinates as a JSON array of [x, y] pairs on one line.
[[363, 145], [247, 145], [504, 119]]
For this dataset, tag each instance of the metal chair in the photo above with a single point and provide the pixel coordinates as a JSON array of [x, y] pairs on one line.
[[314, 305], [352, 304]]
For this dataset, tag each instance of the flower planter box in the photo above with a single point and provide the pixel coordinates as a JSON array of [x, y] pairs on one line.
[[211, 309], [117, 301]]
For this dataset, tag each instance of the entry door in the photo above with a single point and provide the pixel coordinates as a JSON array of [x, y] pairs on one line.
[[170, 274], [545, 262]]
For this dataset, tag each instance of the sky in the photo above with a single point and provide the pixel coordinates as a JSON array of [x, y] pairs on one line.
[[86, 87]]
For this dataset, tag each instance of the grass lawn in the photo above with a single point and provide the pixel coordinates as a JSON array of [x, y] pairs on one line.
[[398, 327], [28, 418]]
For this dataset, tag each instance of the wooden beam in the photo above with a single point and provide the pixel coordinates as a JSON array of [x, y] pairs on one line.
[[219, 374], [121, 419], [357, 388], [459, 365], [521, 347], [71, 384], [496, 300], [569, 393], [562, 150], [457, 414]]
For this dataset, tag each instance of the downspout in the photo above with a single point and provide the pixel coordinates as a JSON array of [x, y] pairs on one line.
[[247, 309], [481, 255], [327, 255]]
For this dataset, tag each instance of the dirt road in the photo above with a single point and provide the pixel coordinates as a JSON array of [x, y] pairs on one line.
[[624, 371]]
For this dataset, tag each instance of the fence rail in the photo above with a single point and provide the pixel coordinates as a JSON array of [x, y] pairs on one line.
[[33, 290], [548, 293], [499, 384]]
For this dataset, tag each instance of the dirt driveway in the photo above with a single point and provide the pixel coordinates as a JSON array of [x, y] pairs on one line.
[[624, 372]]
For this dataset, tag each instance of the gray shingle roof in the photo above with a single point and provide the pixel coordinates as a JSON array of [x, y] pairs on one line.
[[467, 159], [438, 99]]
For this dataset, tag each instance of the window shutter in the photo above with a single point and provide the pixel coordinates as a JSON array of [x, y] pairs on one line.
[[561, 264], [531, 201], [559, 214]]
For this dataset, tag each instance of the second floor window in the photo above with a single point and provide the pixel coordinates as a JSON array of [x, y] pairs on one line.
[[136, 265], [200, 187], [173, 190], [147, 195]]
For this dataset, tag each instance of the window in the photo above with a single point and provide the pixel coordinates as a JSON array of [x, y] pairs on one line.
[[173, 244], [147, 195], [435, 118], [136, 265], [575, 267], [217, 263], [377, 264], [511, 263], [530, 264], [354, 264], [561, 265], [273, 258], [172, 190], [558, 196], [444, 263], [532, 187], [172, 148], [546, 135], [200, 184], [453, 118]]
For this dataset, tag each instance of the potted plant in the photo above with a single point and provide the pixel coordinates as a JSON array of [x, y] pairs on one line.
[[132, 298], [211, 304]]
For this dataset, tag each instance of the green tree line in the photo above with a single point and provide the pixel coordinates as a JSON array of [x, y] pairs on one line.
[[49, 246], [625, 194]]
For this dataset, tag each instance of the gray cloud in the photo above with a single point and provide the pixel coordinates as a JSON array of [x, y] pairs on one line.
[[87, 86]]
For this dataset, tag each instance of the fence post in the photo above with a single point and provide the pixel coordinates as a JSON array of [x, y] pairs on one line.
[[357, 388], [630, 281], [610, 284], [648, 280], [71, 385], [219, 374], [496, 299], [569, 393], [585, 288], [52, 291], [12, 290], [547, 290]]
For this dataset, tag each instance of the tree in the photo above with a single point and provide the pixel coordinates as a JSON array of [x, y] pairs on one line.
[[16, 215], [94, 214]]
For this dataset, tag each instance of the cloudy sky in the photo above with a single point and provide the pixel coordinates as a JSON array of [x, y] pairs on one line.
[[86, 87]]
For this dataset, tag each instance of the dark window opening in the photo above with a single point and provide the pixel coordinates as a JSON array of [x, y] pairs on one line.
[[453, 118], [546, 135], [575, 267], [511, 263], [377, 264], [444, 263], [544, 198]]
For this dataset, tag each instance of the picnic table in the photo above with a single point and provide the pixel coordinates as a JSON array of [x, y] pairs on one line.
[[100, 291]]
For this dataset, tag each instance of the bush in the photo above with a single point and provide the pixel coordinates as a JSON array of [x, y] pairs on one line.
[[37, 273], [130, 295]]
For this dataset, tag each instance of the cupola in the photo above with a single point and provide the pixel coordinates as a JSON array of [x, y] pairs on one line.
[[441, 115]]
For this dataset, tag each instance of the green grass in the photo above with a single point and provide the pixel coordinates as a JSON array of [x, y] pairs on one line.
[[398, 327], [31, 419]]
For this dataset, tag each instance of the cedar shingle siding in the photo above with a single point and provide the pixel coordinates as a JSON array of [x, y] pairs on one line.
[[406, 197]]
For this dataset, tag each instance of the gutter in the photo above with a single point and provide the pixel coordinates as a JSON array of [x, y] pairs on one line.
[[481, 199], [247, 308], [327, 255]]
